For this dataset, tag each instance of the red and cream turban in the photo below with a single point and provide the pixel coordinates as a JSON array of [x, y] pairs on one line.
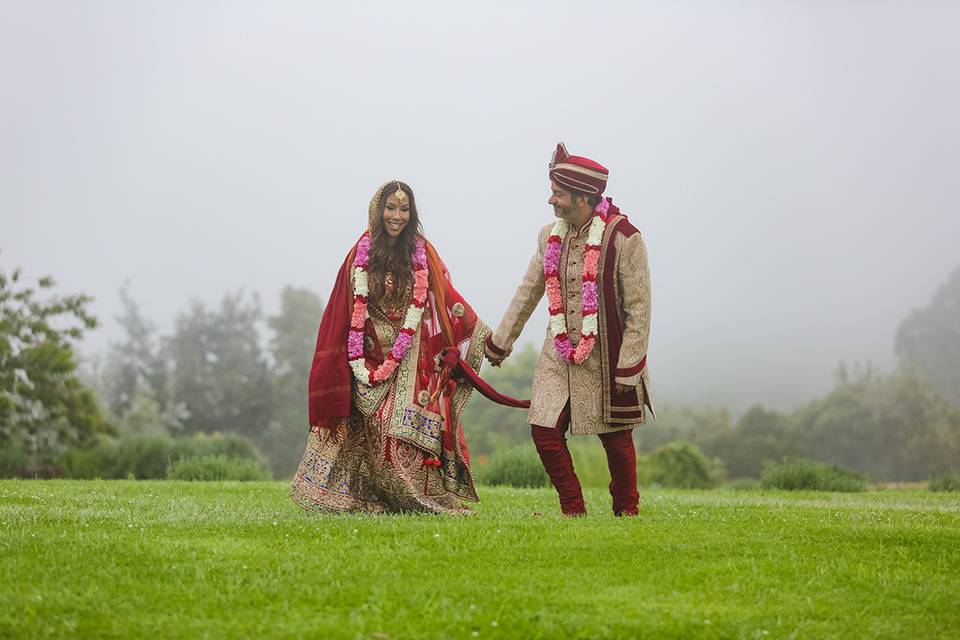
[[577, 173]]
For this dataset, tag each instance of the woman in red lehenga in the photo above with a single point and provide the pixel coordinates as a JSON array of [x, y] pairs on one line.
[[385, 434]]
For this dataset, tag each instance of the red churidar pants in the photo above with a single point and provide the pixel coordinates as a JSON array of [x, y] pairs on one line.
[[621, 460]]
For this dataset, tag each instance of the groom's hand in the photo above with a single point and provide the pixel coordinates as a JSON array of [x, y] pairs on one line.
[[494, 362]]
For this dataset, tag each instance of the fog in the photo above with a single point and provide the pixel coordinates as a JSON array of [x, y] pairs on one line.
[[793, 166]]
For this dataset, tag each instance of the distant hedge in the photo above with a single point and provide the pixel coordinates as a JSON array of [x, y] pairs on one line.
[[809, 475], [218, 467], [517, 466], [945, 482], [149, 457]]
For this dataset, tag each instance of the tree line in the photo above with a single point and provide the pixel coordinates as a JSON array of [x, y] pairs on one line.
[[226, 369], [232, 369]]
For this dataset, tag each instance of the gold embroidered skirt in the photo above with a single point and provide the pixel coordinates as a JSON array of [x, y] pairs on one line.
[[363, 467]]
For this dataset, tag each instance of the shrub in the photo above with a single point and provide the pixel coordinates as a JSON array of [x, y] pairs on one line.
[[679, 465], [144, 457], [99, 461], [517, 466], [945, 482], [13, 460], [203, 445], [148, 457], [742, 484], [218, 467], [140, 457], [808, 475]]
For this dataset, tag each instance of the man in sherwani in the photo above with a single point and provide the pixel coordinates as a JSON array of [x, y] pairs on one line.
[[592, 376]]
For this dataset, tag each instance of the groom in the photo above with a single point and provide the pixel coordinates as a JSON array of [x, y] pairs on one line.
[[592, 376]]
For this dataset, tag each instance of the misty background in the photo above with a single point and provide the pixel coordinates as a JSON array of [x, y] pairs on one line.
[[792, 165]]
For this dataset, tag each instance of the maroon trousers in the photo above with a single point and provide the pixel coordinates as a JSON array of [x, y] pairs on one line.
[[621, 460]]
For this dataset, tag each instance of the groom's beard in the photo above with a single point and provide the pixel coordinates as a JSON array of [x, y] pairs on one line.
[[563, 213]]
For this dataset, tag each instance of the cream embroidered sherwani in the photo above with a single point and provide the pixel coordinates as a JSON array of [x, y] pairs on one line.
[[585, 385]]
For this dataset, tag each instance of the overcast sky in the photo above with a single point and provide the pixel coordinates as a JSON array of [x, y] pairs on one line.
[[793, 166]]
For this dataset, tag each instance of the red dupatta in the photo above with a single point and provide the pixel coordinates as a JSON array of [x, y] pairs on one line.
[[329, 388]]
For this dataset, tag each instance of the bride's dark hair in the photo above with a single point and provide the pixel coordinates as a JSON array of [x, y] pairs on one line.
[[392, 259]]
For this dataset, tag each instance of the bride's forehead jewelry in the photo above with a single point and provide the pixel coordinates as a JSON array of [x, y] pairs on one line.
[[399, 192]]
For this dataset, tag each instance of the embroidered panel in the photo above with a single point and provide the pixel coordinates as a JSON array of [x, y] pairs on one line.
[[419, 427], [405, 380], [457, 477], [368, 399], [332, 476], [606, 382]]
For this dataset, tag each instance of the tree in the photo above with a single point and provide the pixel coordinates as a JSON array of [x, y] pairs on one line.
[[929, 339], [696, 425], [219, 371], [135, 378], [291, 347], [759, 436], [44, 407], [894, 427]]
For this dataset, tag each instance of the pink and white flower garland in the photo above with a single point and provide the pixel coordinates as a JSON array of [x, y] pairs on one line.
[[361, 369], [588, 288]]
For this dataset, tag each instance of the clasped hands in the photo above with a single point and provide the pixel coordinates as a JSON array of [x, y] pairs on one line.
[[494, 361]]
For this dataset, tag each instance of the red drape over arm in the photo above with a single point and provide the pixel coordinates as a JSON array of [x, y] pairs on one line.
[[329, 389]]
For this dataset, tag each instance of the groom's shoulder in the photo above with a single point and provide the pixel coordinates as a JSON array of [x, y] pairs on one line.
[[544, 233], [625, 227]]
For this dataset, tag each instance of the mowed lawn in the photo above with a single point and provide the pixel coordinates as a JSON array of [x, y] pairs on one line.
[[240, 560]]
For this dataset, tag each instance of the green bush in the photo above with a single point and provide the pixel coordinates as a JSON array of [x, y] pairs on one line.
[[144, 457], [140, 457], [148, 457], [517, 466], [742, 484], [678, 465], [218, 467], [99, 461], [13, 461], [203, 445], [808, 475], [945, 482]]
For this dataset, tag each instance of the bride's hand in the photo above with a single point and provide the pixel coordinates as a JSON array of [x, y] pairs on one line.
[[494, 362]]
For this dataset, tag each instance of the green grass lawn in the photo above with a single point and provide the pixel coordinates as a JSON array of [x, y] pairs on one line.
[[240, 560]]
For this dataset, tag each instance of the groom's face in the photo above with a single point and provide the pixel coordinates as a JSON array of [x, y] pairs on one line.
[[562, 201]]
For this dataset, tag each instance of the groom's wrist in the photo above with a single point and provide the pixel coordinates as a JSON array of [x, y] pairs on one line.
[[492, 350]]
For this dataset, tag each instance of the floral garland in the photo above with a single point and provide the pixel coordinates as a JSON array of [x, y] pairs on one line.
[[361, 369], [588, 289]]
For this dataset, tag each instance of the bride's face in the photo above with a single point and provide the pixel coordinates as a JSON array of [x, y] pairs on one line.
[[396, 215]]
